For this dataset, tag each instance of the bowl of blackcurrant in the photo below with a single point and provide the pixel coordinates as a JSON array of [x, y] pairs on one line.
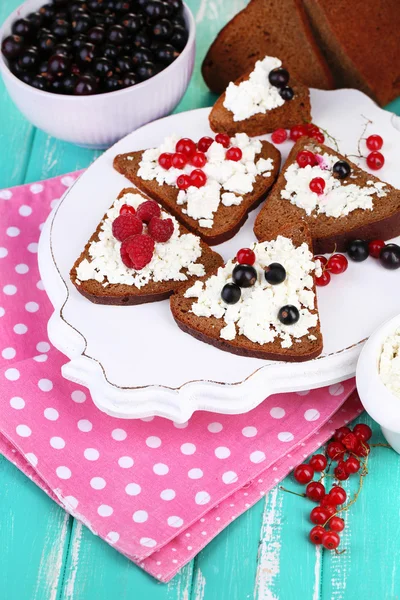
[[91, 71]]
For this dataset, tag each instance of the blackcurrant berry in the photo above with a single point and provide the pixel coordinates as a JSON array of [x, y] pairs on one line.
[[116, 35], [47, 43], [141, 55], [60, 28], [162, 30], [78, 41], [36, 19], [82, 23], [47, 12], [179, 37], [112, 84], [123, 64], [275, 273], [279, 77], [96, 35], [132, 23], [358, 250], [390, 256], [111, 52], [141, 40], [85, 86], [29, 59], [103, 67], [288, 315], [128, 80], [341, 169], [23, 27], [166, 54], [286, 93], [12, 46], [231, 293], [58, 64], [244, 275], [86, 54], [146, 71]]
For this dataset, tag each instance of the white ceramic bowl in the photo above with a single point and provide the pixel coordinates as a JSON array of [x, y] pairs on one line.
[[100, 120], [378, 400]]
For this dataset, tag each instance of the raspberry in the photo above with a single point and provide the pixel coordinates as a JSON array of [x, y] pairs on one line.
[[161, 229], [137, 251], [147, 210], [125, 226]]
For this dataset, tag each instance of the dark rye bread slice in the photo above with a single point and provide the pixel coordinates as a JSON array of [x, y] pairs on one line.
[[330, 233], [125, 295], [293, 112], [361, 43], [207, 329], [266, 27], [227, 219]]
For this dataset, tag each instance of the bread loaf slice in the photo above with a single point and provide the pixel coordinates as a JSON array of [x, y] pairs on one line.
[[227, 219], [361, 44], [330, 233], [208, 328], [266, 27], [123, 294], [292, 112]]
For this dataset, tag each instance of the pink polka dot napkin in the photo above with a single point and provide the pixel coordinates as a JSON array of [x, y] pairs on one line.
[[155, 490]]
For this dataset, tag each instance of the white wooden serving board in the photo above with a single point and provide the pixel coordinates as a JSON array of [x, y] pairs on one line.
[[134, 359]]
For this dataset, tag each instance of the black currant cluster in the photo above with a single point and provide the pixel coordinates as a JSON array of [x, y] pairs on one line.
[[84, 47], [279, 78], [245, 276]]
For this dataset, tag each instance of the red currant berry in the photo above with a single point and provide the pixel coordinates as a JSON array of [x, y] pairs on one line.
[[324, 279], [317, 185], [330, 540], [326, 502], [126, 209], [318, 462], [322, 259], [315, 491], [375, 160], [186, 146], [183, 182], [319, 515], [319, 137], [335, 450], [246, 256], [303, 473], [330, 509], [204, 143], [316, 534], [375, 247], [352, 465], [341, 433], [374, 142], [198, 178], [363, 432], [223, 139], [165, 160], [312, 129], [305, 158], [362, 449], [179, 160], [337, 264], [297, 131], [234, 154], [279, 136], [350, 441], [336, 524], [337, 495], [198, 160], [340, 471]]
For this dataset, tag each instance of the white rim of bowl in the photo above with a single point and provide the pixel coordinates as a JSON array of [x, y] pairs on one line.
[[92, 97]]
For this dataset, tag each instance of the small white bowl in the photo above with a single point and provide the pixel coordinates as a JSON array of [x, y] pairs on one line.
[[379, 402], [100, 120]]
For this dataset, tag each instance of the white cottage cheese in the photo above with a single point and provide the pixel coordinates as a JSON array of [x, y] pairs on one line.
[[256, 314], [224, 177], [389, 364], [169, 258], [338, 199], [255, 95]]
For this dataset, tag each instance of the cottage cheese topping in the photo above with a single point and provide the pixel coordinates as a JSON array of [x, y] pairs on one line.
[[389, 364], [255, 95], [169, 258], [256, 314], [339, 198], [223, 176]]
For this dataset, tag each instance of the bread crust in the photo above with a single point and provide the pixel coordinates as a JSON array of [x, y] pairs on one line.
[[331, 234], [242, 346], [128, 295], [227, 220], [293, 112]]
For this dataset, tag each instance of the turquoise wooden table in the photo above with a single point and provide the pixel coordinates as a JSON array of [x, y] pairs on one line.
[[264, 555]]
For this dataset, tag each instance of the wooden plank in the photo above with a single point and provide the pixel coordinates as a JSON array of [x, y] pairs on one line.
[[34, 534], [95, 570], [226, 568]]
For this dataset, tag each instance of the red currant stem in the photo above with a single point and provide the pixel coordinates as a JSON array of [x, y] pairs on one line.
[[328, 135], [381, 446], [291, 492], [367, 122], [340, 551]]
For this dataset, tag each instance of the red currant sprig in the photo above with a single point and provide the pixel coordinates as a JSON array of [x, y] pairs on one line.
[[335, 265]]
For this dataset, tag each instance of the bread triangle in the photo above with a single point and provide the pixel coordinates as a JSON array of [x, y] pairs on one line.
[[330, 233], [292, 247], [119, 293], [266, 27], [292, 112], [227, 219]]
